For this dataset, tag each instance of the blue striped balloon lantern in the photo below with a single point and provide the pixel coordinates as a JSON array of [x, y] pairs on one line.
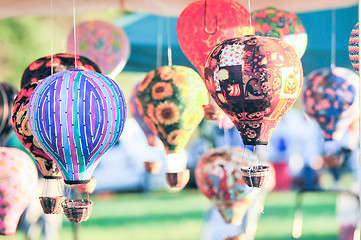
[[76, 116]]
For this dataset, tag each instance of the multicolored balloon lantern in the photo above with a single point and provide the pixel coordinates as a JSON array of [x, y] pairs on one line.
[[76, 116], [255, 80], [330, 98], [103, 42], [200, 29], [18, 180], [170, 99], [272, 22], [42, 67], [353, 48], [219, 179], [20, 120], [7, 95]]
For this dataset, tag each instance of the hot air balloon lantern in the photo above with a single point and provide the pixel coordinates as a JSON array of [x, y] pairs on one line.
[[47, 167], [272, 22], [353, 48], [152, 139], [254, 80], [330, 98], [170, 99], [18, 180], [219, 179], [76, 116], [103, 42], [45, 66], [7, 95]]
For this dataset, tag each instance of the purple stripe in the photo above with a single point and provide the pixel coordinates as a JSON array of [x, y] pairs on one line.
[[94, 113], [74, 157], [59, 142]]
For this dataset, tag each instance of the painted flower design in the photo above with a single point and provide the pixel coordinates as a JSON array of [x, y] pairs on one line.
[[150, 125], [166, 73], [167, 113], [150, 112], [144, 84], [139, 106], [178, 137], [162, 90]]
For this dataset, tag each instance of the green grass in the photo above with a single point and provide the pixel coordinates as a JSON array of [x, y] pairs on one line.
[[179, 216]]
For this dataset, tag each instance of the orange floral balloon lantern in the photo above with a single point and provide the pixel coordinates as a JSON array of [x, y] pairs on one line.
[[255, 80], [199, 31], [219, 179], [170, 100]]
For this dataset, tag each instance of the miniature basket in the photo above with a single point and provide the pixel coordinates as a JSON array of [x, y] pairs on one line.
[[51, 205], [255, 176], [212, 112], [333, 160], [77, 210], [178, 179], [152, 167]]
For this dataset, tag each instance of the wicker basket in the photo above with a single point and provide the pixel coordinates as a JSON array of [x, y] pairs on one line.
[[51, 205], [77, 210], [255, 176], [178, 179], [152, 167], [212, 112]]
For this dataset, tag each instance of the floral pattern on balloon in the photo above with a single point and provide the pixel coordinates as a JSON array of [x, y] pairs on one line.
[[353, 48], [20, 120], [224, 19], [219, 178], [18, 180], [272, 22], [103, 42], [255, 80], [170, 100], [330, 98], [43, 67], [152, 139]]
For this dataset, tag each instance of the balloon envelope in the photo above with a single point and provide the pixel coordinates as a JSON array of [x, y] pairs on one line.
[[272, 22], [353, 48], [76, 116], [18, 179], [152, 139], [219, 178], [255, 80], [233, 20], [41, 68], [7, 95], [170, 100], [20, 120], [330, 98], [106, 44]]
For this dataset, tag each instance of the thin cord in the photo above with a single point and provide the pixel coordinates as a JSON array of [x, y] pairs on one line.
[[51, 37], [250, 16], [159, 42], [333, 38], [169, 46], [74, 34]]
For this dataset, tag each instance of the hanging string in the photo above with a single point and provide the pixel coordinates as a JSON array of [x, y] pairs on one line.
[[60, 187], [250, 16], [169, 46], [51, 37], [159, 42], [45, 186], [74, 34], [333, 38]]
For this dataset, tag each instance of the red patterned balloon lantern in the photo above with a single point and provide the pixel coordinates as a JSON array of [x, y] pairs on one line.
[[200, 29], [255, 80], [219, 179]]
